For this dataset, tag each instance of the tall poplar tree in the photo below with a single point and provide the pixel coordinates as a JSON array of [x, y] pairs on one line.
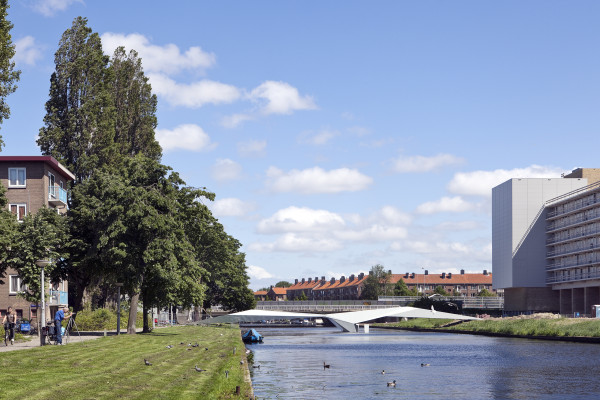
[[79, 121], [8, 74]]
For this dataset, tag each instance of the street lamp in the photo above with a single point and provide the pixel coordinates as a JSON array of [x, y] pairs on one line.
[[118, 285], [42, 264], [423, 268]]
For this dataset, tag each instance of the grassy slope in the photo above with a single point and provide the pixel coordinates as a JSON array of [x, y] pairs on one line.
[[528, 327], [113, 367]]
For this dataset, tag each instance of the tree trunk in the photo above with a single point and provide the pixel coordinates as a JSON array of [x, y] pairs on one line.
[[133, 314], [145, 314]]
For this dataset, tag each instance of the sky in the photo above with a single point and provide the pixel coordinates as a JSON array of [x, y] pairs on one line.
[[340, 135]]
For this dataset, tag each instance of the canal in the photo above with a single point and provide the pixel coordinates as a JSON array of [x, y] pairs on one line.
[[460, 366]]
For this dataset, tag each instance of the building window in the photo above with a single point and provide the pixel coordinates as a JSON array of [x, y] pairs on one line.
[[15, 284], [52, 188], [19, 210], [17, 177]]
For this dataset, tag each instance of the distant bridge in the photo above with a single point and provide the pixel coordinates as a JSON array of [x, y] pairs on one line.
[[333, 306]]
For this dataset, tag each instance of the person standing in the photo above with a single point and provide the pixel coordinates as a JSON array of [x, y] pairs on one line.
[[58, 318], [9, 321]]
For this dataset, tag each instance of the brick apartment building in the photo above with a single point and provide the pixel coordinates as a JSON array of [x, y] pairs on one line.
[[466, 285], [33, 182]]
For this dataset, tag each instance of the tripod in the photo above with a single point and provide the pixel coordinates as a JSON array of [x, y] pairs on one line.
[[70, 326]]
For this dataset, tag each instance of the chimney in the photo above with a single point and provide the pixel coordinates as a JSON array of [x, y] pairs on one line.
[[351, 278], [449, 275], [323, 279], [462, 271], [296, 282], [412, 275], [342, 279], [406, 275], [426, 272], [303, 281], [271, 287], [361, 275], [443, 275], [316, 278], [389, 271], [309, 280], [485, 272], [332, 280]]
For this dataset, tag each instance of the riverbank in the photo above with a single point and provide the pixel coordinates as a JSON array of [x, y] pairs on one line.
[[537, 326], [114, 367]]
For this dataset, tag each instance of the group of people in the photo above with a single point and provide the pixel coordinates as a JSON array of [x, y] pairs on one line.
[[10, 322]]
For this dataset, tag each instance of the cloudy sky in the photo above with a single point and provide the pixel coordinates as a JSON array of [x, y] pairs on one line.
[[343, 134]]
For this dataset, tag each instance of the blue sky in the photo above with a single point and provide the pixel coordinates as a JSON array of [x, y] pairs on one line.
[[343, 134]]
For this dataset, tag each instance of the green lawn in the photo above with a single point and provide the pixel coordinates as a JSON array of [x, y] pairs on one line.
[[512, 326], [113, 367]]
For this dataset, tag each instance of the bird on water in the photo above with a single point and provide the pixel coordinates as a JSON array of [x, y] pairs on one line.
[[383, 372], [326, 365], [424, 365], [392, 383]]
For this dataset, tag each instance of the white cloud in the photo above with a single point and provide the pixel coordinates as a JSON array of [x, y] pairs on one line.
[[317, 180], [445, 204], [166, 59], [440, 251], [49, 7], [231, 207], [27, 51], [280, 98], [291, 242], [318, 138], [480, 183], [226, 170], [232, 121], [374, 233], [195, 94], [257, 272], [300, 219], [424, 164], [252, 148], [186, 137], [359, 131]]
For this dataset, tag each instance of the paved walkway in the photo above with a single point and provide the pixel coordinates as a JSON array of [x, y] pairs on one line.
[[74, 338]]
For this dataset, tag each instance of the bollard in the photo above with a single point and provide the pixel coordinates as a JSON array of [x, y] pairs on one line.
[[237, 390], [234, 351]]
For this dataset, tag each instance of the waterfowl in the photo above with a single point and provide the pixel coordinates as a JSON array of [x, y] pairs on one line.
[[326, 365], [383, 372], [424, 365], [147, 362], [392, 383]]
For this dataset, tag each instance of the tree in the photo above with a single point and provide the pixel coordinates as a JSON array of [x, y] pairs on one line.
[[440, 290], [44, 235], [302, 296], [79, 121], [8, 232], [485, 293], [401, 289], [9, 76], [376, 283], [456, 292], [283, 284]]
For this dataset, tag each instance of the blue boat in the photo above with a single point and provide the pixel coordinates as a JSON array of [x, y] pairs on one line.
[[252, 337]]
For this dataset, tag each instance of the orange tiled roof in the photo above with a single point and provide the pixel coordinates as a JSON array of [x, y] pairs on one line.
[[260, 293], [279, 290], [304, 286], [436, 279], [335, 285]]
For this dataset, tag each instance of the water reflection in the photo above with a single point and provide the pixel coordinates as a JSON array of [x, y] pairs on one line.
[[461, 366]]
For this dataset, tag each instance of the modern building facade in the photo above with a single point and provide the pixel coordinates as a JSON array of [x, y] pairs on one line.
[[543, 240], [32, 182]]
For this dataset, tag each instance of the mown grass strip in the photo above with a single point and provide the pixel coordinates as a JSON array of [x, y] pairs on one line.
[[113, 367], [555, 327]]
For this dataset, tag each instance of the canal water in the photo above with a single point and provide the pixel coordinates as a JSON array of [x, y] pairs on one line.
[[460, 366]]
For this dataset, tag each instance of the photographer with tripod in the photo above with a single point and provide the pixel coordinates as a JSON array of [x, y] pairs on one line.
[[58, 318], [9, 321]]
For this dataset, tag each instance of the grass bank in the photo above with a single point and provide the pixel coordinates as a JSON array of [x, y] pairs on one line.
[[113, 367], [543, 327]]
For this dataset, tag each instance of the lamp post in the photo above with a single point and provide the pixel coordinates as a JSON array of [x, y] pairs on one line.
[[423, 268], [42, 264], [118, 285]]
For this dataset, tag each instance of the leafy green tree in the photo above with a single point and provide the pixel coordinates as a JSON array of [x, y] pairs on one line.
[[283, 284], [44, 235], [79, 121], [302, 296], [440, 290], [485, 293], [401, 289], [9, 76], [456, 293], [8, 232], [376, 283]]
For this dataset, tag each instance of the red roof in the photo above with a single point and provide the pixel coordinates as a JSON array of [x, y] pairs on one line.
[[279, 290], [260, 293], [436, 279]]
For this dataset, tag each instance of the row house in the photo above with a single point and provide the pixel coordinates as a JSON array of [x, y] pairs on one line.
[[33, 182], [333, 289], [260, 295], [467, 285]]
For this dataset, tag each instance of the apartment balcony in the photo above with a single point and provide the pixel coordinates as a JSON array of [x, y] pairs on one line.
[[57, 196], [58, 297], [573, 278]]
